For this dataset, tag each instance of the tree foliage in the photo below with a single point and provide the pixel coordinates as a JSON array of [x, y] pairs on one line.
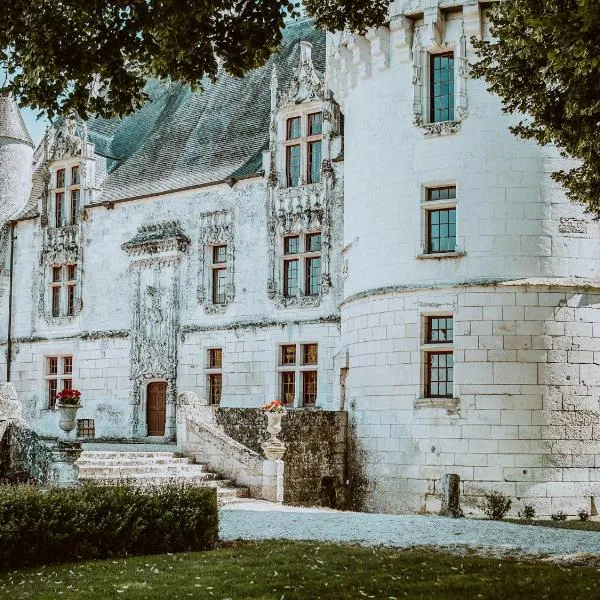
[[544, 62], [95, 56]]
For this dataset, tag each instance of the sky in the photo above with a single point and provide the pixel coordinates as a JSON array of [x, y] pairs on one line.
[[36, 127]]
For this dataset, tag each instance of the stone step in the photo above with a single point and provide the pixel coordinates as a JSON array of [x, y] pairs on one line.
[[112, 455], [207, 479], [178, 462], [133, 470]]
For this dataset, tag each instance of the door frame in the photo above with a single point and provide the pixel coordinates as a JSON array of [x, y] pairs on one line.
[[144, 399]]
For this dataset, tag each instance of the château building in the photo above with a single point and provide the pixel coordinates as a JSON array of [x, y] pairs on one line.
[[350, 228]]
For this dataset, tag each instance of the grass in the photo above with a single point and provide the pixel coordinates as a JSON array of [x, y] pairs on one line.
[[301, 570], [572, 524]]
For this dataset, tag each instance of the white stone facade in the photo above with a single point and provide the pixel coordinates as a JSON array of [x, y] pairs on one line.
[[521, 282]]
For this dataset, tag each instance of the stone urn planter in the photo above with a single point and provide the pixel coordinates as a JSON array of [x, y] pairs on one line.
[[68, 405], [273, 447]]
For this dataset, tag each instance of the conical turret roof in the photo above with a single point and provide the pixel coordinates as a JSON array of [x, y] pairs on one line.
[[11, 121]]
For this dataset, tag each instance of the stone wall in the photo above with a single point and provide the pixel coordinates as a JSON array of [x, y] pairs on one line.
[[315, 460], [525, 417]]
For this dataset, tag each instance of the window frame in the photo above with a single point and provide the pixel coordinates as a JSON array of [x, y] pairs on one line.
[[298, 372], [302, 258], [428, 207], [432, 56], [431, 348], [305, 141], [214, 372], [218, 269], [61, 375], [66, 197], [63, 293]]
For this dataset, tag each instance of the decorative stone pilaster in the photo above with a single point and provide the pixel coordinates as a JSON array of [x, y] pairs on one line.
[[273, 467]]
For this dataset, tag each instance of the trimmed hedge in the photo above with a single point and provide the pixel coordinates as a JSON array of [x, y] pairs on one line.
[[41, 526]]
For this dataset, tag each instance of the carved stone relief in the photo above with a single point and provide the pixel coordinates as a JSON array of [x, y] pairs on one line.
[[155, 251], [216, 228]]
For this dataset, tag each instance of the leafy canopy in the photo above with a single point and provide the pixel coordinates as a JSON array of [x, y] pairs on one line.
[[95, 56], [545, 62]]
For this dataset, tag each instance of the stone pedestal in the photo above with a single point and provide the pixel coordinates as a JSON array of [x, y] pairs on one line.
[[64, 470], [272, 487], [450, 489]]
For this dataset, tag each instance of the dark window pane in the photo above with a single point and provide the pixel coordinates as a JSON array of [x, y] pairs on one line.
[[310, 353], [74, 206], [59, 209], [219, 254], [313, 276], [56, 301], [441, 235], [440, 367], [52, 390], [288, 387], [52, 365], [219, 284], [309, 387], [60, 178], [291, 245], [75, 175], [293, 165], [293, 128], [313, 242], [288, 354], [86, 428], [441, 73], [314, 162], [215, 358], [68, 365], [315, 124], [290, 278], [215, 384], [70, 300]]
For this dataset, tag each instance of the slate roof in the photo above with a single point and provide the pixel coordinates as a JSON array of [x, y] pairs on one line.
[[11, 121], [181, 138]]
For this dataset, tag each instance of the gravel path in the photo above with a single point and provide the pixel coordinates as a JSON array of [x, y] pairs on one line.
[[262, 520]]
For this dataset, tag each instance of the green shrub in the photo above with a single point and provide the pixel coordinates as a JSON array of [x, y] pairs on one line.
[[583, 514], [47, 525], [495, 505], [558, 516], [528, 512]]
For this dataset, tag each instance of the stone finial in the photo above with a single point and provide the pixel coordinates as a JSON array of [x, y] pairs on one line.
[[10, 407]]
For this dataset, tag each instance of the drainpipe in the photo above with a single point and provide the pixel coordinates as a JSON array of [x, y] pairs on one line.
[[10, 302]]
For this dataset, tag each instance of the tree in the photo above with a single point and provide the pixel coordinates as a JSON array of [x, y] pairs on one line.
[[95, 56], [544, 62]]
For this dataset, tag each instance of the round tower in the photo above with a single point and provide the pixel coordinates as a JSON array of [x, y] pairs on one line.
[[16, 159], [471, 311]]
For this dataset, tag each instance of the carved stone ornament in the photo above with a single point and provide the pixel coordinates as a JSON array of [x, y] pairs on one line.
[[10, 406], [571, 225], [306, 85], [157, 238], [67, 142], [216, 228]]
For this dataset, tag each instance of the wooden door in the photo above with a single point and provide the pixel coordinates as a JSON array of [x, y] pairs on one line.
[[156, 409]]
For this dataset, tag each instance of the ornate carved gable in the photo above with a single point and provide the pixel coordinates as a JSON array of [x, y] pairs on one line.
[[306, 86], [156, 238], [68, 142]]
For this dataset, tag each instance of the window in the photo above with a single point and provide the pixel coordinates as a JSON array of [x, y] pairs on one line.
[[303, 149], [75, 175], [298, 363], [215, 375], [63, 284], [440, 219], [438, 356], [59, 373], [60, 178], [86, 428], [219, 274], [59, 208], [302, 252], [441, 85], [74, 206]]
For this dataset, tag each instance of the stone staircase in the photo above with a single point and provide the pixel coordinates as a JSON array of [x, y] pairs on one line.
[[152, 467]]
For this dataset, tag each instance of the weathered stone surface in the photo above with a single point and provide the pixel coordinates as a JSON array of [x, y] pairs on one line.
[[10, 407], [450, 492]]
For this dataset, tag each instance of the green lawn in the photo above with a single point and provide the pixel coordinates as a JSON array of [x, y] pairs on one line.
[[301, 570], [572, 524]]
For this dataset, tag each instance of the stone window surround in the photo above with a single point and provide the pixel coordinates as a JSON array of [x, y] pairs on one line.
[[67, 190], [60, 355], [63, 318], [426, 206], [298, 368], [422, 401], [430, 38], [303, 112]]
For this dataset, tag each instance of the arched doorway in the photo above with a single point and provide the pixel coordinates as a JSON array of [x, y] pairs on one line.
[[156, 408]]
